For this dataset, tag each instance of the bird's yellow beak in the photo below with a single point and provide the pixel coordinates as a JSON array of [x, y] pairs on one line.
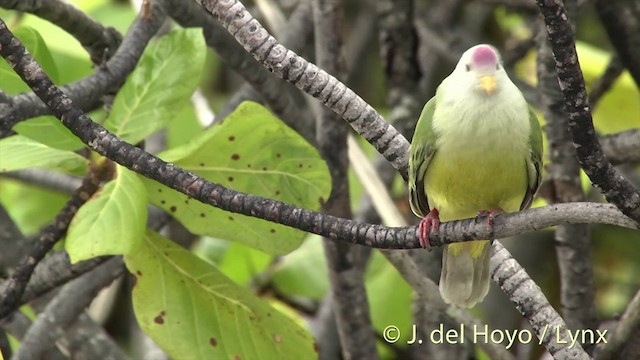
[[488, 83]]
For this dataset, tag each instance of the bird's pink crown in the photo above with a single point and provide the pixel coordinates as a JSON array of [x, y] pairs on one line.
[[484, 56]]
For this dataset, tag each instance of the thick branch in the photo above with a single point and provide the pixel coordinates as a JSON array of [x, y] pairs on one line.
[[615, 188], [316, 82], [623, 147], [531, 303], [573, 241]]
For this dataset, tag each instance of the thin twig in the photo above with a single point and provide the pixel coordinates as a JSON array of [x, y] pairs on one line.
[[605, 81], [48, 236], [65, 308]]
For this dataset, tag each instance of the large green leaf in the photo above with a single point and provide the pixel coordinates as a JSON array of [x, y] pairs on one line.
[[192, 311], [18, 152], [160, 86], [254, 152], [49, 131], [112, 222]]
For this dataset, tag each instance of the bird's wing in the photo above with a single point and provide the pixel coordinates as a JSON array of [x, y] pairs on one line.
[[423, 147], [533, 161]]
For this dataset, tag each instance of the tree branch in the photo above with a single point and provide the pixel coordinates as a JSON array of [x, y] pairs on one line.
[[621, 20], [623, 147], [572, 241], [100, 42], [49, 179], [526, 295], [86, 93], [17, 324], [427, 290], [605, 81], [614, 187], [628, 324], [346, 274], [65, 308], [316, 82], [272, 90], [48, 236]]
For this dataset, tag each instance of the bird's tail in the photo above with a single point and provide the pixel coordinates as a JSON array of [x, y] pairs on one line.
[[465, 273]]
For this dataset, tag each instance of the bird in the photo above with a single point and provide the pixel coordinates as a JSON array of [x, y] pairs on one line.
[[476, 151]]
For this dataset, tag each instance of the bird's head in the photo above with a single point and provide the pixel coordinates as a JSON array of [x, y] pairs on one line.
[[482, 67]]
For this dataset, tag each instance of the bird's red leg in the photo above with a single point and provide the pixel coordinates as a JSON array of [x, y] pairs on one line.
[[490, 214], [431, 222]]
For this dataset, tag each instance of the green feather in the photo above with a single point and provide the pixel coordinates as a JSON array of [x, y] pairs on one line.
[[423, 147]]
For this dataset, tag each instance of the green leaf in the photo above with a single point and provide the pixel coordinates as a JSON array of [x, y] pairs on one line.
[[192, 311], [185, 128], [239, 262], [112, 222], [31, 39], [159, 87], [304, 271], [45, 129], [242, 263], [49, 131], [254, 152], [18, 152]]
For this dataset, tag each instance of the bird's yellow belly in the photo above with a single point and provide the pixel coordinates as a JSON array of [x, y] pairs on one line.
[[461, 183]]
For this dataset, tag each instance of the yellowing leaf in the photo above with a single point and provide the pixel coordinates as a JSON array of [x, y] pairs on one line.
[[254, 152], [192, 311]]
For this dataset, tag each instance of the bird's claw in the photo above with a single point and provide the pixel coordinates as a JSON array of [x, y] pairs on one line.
[[431, 222], [490, 214]]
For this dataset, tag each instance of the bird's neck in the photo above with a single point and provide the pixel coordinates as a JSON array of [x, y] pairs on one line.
[[474, 121]]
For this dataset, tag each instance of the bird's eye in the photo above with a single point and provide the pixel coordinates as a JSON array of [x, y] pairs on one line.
[[497, 66], [468, 67]]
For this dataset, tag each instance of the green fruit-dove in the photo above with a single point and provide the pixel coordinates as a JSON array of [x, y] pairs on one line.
[[476, 150]]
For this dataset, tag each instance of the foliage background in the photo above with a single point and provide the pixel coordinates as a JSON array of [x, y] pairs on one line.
[[263, 265]]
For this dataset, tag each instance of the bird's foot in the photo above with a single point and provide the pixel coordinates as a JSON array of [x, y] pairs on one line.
[[490, 214], [431, 222]]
